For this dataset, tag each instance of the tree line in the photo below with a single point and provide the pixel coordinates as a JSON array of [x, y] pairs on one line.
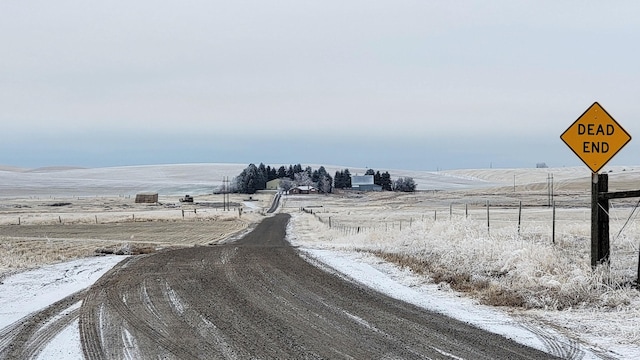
[[254, 178]]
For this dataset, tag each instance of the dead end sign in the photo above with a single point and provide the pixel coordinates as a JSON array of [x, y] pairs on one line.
[[595, 137]]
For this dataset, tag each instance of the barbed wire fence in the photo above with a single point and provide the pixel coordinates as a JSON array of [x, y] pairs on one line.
[[524, 222]]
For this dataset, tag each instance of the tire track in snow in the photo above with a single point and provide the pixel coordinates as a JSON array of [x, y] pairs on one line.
[[27, 337], [570, 350]]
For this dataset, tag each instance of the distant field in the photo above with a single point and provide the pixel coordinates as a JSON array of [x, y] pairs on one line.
[[38, 231], [177, 180]]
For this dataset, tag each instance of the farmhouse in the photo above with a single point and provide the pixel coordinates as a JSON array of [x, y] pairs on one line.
[[306, 189], [146, 198], [364, 183]]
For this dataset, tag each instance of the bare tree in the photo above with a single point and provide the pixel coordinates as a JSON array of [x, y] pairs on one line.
[[286, 184], [325, 183], [303, 179]]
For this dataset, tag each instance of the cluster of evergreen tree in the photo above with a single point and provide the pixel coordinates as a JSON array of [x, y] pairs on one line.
[[322, 180], [254, 178], [342, 179], [289, 172], [383, 180]]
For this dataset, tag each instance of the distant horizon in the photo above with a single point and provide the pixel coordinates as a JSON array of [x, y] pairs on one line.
[[201, 178], [433, 153]]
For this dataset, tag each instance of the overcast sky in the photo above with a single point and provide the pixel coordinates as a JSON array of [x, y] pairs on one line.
[[386, 84]]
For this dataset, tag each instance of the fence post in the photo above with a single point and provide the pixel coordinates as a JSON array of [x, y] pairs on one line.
[[519, 216], [553, 226], [488, 223], [638, 280]]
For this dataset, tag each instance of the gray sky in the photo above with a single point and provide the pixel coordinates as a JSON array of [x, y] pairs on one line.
[[387, 84]]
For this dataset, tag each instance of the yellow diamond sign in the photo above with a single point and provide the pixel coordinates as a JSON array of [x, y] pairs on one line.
[[595, 137]]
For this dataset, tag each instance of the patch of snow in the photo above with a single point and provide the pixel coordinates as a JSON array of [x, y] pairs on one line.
[[66, 345], [251, 205], [131, 350], [175, 300], [30, 291]]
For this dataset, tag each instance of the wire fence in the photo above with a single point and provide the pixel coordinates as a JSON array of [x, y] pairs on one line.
[[568, 228], [549, 223], [191, 214]]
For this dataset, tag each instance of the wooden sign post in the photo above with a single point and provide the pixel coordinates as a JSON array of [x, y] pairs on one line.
[[600, 249], [596, 137]]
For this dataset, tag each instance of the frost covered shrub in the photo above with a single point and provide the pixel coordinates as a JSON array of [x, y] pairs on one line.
[[498, 267]]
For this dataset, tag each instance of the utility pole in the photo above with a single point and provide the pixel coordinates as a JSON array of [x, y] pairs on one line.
[[225, 193]]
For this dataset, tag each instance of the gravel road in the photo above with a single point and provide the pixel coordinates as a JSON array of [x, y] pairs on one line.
[[256, 298]]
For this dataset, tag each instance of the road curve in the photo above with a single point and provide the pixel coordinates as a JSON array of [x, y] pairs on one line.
[[256, 298]]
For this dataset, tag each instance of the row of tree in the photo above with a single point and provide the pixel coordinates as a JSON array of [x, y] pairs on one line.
[[254, 178]]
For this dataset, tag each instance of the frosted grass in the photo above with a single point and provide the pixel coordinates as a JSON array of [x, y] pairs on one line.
[[552, 284]]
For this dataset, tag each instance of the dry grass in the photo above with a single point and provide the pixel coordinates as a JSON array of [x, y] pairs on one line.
[[489, 293], [499, 265], [56, 230]]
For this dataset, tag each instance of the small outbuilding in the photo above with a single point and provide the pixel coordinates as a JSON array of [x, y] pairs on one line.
[[146, 198], [274, 184]]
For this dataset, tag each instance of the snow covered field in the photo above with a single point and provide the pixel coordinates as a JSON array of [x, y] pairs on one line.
[[430, 226]]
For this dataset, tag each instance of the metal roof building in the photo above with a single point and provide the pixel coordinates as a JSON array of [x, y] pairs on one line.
[[364, 183]]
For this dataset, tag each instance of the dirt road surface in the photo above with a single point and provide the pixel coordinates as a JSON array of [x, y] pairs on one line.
[[252, 298], [256, 298]]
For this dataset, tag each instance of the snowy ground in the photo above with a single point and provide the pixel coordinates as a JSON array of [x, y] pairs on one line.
[[613, 334], [27, 292]]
